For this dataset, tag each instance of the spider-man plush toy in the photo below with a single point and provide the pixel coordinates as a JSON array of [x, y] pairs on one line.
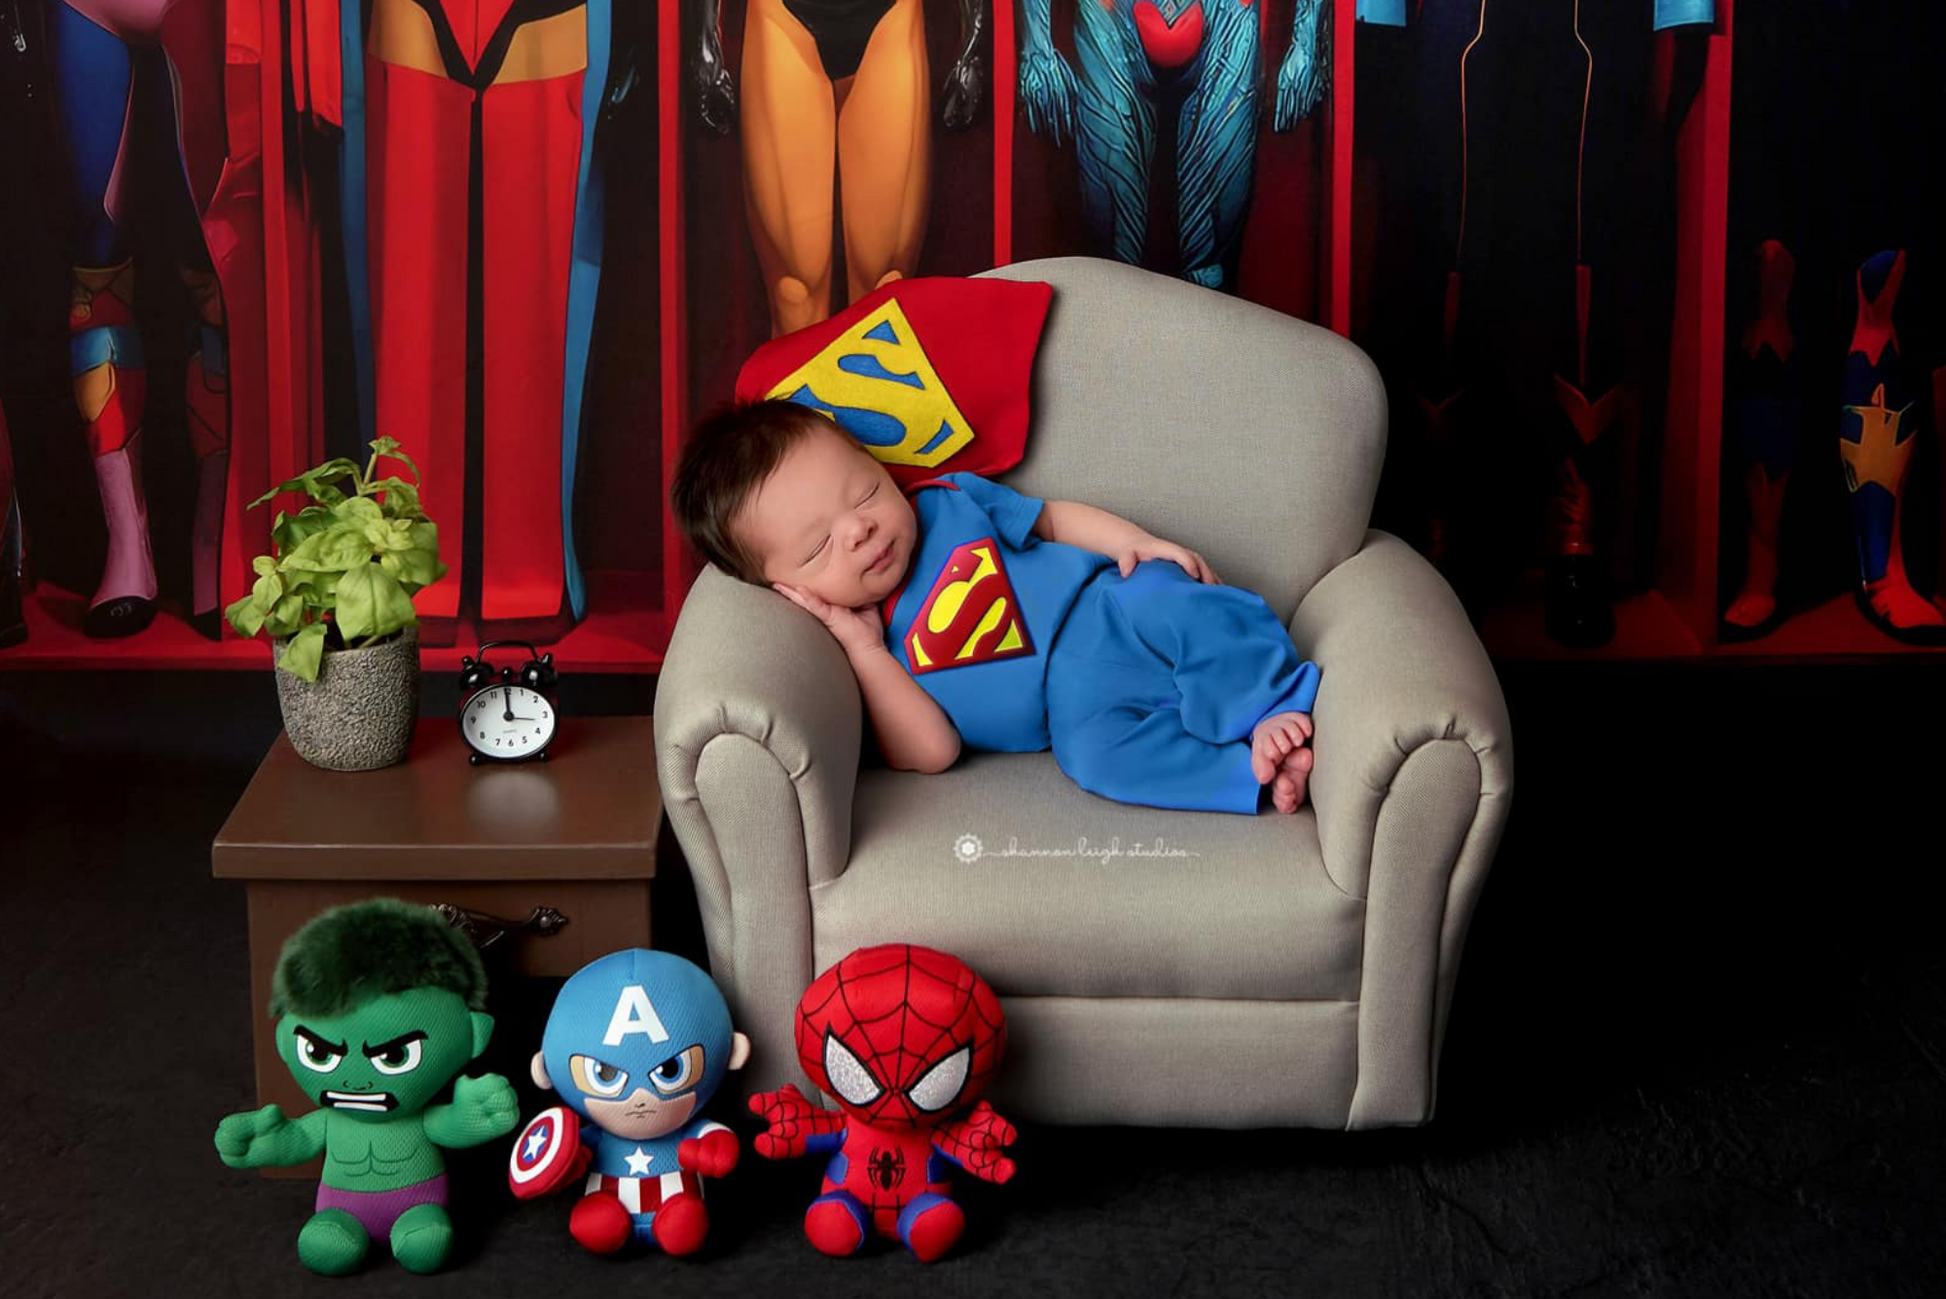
[[904, 1037]]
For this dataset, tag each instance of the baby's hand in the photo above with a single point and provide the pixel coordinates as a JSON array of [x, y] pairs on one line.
[[857, 630], [1147, 546]]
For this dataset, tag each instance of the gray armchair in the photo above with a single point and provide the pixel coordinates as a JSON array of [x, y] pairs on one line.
[[1157, 967]]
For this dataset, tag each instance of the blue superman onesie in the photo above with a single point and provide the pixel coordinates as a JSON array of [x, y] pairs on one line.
[[1146, 688]]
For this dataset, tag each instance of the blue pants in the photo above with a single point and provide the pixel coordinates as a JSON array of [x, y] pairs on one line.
[[1156, 681]]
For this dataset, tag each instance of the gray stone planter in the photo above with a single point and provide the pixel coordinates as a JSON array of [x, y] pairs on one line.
[[358, 714]]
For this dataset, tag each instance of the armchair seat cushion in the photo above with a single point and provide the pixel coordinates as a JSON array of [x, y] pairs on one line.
[[1072, 895]]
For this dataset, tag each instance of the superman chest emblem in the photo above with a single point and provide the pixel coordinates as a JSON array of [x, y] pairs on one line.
[[971, 614]]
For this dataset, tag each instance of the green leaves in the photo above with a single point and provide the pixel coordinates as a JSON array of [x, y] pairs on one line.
[[371, 604], [351, 559], [246, 615], [305, 652]]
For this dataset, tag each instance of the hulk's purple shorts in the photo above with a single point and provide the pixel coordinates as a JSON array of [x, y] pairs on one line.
[[376, 1211]]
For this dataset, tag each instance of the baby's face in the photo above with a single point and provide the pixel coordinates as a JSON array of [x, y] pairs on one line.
[[829, 520]]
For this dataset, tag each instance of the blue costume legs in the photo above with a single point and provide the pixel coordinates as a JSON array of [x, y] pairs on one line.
[[1156, 682], [1114, 130], [1216, 143], [93, 71], [105, 81], [94, 74]]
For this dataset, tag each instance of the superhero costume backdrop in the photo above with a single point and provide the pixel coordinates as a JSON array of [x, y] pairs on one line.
[[468, 132], [1837, 275], [117, 63], [834, 90], [1143, 61], [1489, 259]]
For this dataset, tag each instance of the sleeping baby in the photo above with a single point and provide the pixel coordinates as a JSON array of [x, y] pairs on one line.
[[973, 615]]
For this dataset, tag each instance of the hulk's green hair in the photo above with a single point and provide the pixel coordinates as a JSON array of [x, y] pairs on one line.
[[352, 954]]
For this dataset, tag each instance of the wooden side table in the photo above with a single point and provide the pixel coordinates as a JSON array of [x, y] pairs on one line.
[[575, 834]]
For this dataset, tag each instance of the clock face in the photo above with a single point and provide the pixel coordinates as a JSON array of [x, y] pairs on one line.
[[507, 723]]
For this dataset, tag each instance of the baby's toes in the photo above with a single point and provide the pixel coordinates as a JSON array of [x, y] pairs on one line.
[[1299, 761], [1284, 792], [1301, 782]]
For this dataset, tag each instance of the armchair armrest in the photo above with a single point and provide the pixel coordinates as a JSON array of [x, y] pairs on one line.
[[757, 730], [1402, 668], [1411, 790]]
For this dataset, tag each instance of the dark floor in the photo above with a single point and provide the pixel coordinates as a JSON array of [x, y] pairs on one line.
[[1698, 1048]]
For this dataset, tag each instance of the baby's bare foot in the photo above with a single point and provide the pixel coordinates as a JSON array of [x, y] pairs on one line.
[[1293, 780], [1274, 739]]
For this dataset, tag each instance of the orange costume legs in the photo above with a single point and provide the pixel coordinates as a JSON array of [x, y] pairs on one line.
[[802, 131]]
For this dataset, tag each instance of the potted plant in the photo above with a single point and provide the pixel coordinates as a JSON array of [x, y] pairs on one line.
[[335, 597]]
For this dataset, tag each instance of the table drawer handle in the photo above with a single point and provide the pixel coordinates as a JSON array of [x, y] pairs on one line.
[[486, 930]]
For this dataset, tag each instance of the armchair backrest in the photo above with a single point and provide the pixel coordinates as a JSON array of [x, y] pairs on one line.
[[1245, 434]]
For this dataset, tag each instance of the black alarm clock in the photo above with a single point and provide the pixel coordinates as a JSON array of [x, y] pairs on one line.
[[507, 715]]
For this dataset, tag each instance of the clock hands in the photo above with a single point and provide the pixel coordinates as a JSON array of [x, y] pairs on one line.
[[507, 699]]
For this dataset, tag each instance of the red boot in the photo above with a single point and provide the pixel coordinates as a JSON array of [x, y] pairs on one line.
[[935, 1230], [600, 1223], [681, 1224], [834, 1226]]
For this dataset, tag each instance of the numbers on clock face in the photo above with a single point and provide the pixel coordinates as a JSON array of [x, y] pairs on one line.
[[507, 722]]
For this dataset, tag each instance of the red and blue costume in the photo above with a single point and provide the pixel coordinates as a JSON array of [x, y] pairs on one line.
[[905, 1038], [1763, 374], [1876, 441], [116, 62], [1147, 687], [469, 133]]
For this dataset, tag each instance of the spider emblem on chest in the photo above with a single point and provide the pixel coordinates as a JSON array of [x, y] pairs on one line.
[[886, 1167]]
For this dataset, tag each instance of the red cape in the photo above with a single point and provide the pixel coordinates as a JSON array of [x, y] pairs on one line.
[[931, 375]]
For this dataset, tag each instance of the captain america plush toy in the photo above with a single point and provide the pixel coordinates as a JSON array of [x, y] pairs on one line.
[[636, 1044]]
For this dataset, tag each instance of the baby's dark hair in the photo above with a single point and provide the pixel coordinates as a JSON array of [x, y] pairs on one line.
[[727, 458], [355, 953]]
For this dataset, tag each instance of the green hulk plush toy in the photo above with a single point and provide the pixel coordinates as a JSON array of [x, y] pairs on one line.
[[378, 1006]]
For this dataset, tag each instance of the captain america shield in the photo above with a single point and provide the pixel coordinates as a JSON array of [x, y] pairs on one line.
[[546, 1147]]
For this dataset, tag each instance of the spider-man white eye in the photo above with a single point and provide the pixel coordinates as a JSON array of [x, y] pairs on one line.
[[942, 1083], [848, 1074]]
